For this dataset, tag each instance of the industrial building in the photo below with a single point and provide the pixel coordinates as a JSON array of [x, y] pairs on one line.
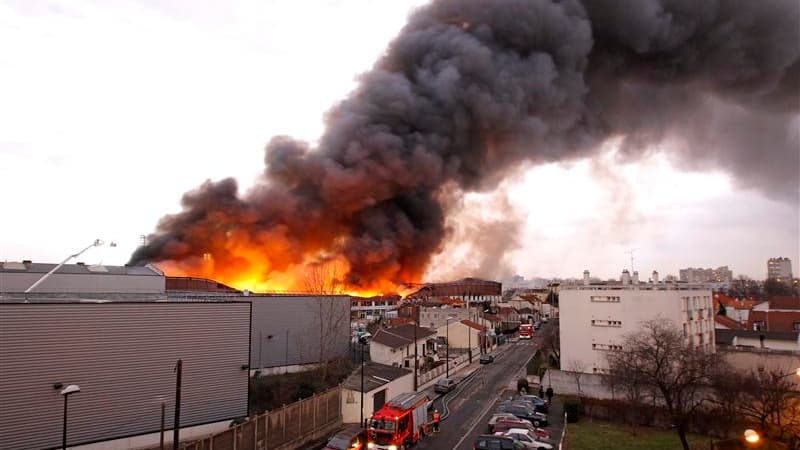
[[469, 290], [117, 333], [594, 317]]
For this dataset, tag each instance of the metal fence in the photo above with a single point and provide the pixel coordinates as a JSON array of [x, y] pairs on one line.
[[289, 427]]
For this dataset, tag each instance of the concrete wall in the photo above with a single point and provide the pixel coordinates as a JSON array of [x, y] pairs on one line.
[[122, 356], [565, 383], [592, 319], [746, 360], [351, 400], [774, 344]]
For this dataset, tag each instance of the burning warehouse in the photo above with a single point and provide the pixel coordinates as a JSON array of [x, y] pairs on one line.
[[467, 290]]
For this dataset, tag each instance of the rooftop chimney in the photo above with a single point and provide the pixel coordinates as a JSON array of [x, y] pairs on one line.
[[655, 276], [626, 277], [635, 277], [586, 278]]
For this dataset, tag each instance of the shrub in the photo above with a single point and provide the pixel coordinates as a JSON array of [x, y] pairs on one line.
[[573, 408]]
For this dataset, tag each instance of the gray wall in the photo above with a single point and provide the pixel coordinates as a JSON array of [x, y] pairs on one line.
[[83, 283], [294, 326], [122, 356]]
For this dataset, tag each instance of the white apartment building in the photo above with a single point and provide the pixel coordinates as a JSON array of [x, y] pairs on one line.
[[596, 317]]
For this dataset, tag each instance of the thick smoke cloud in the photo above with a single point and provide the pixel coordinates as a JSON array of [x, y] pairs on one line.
[[471, 89]]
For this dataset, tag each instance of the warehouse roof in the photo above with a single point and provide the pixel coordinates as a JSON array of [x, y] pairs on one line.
[[375, 376]]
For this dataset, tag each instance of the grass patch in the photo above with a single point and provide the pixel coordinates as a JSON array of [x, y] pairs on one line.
[[600, 435]]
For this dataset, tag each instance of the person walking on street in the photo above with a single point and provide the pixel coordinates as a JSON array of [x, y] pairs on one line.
[[541, 392], [549, 395], [436, 419]]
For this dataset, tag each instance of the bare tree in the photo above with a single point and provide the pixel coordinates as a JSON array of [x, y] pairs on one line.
[[576, 368], [765, 400], [330, 319], [659, 359]]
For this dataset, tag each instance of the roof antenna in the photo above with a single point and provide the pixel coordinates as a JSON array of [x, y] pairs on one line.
[[630, 252]]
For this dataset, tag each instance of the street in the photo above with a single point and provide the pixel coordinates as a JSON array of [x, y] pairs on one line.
[[467, 409]]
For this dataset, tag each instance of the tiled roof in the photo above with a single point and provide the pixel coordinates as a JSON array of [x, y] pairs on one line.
[[472, 324], [774, 320], [400, 336], [727, 322], [375, 376]]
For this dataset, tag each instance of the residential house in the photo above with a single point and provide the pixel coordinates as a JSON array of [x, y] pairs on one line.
[[509, 317], [380, 383], [776, 314], [463, 335], [726, 323], [395, 346], [735, 308], [374, 308]]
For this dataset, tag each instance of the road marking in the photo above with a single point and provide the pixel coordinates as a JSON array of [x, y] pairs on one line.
[[474, 424]]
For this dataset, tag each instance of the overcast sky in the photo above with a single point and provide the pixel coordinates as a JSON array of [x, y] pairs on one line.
[[110, 111]]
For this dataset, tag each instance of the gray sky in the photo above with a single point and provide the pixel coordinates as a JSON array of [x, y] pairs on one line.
[[111, 112]]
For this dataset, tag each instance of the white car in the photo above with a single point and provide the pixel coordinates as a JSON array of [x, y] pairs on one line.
[[527, 438]]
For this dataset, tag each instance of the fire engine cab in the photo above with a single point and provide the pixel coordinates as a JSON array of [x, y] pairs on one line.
[[399, 423]]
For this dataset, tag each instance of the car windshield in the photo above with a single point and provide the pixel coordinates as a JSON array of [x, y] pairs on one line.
[[380, 424]]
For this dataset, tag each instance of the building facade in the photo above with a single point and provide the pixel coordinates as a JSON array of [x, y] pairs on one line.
[[381, 383], [375, 308], [780, 269], [594, 318], [395, 346], [697, 275]]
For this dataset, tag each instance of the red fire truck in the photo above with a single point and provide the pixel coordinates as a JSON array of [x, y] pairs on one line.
[[399, 423], [526, 331]]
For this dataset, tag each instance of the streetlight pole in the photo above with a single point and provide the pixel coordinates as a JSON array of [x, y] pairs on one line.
[[177, 428], [71, 389]]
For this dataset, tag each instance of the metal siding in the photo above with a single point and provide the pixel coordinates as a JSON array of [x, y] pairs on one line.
[[82, 283], [274, 316], [122, 356]]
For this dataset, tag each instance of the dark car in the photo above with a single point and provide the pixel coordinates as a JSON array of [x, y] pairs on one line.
[[539, 405], [537, 325], [523, 411], [444, 385], [487, 358], [347, 439], [489, 442]]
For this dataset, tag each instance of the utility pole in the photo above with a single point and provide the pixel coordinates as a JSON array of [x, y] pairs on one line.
[[416, 355], [161, 436], [177, 430], [362, 341]]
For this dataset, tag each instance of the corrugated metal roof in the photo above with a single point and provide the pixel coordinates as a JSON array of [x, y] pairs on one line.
[[375, 376], [82, 269]]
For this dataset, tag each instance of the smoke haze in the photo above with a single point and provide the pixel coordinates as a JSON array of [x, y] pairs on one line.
[[469, 91]]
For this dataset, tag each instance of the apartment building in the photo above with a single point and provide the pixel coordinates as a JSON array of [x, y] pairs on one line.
[[699, 275], [780, 269], [595, 317]]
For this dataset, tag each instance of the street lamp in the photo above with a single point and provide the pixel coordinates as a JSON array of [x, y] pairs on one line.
[[447, 350], [363, 342], [751, 436], [71, 389], [96, 243]]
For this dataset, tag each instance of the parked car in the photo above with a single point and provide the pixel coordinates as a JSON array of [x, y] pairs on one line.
[[538, 403], [527, 439], [493, 442], [347, 439], [498, 417], [444, 385], [505, 424], [487, 358], [537, 324], [523, 411]]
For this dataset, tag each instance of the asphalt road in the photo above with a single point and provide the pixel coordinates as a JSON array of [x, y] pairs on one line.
[[473, 401]]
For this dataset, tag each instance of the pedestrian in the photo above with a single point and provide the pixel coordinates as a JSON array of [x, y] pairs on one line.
[[549, 394], [541, 392], [436, 419]]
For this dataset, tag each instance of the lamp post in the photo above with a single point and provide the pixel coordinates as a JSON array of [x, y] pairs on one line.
[[71, 389], [96, 243], [751, 436]]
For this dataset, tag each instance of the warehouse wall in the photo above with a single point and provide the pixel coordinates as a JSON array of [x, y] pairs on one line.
[[122, 356]]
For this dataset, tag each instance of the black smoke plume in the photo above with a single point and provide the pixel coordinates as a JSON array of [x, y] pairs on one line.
[[471, 89]]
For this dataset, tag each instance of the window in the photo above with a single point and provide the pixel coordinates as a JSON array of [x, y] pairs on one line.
[[796, 326], [758, 325]]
